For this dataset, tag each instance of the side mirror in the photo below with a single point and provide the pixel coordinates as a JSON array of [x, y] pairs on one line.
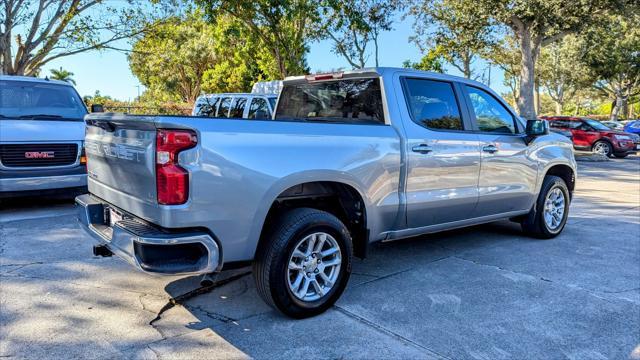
[[97, 108], [536, 128]]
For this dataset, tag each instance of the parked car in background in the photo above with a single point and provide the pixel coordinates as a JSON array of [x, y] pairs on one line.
[[614, 125], [591, 135], [632, 127], [348, 159], [41, 136], [236, 105]]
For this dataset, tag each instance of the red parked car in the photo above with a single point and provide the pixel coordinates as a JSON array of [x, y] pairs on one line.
[[591, 135]]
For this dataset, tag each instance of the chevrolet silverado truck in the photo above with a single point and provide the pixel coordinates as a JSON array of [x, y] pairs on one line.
[[41, 137], [348, 159]]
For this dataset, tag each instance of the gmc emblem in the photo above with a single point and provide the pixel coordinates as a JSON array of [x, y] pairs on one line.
[[39, 155]]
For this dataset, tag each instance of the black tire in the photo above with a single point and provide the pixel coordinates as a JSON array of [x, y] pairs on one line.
[[604, 144], [272, 259], [621, 156], [534, 224]]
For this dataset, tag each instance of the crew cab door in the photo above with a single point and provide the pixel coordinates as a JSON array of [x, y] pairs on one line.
[[507, 174], [443, 156]]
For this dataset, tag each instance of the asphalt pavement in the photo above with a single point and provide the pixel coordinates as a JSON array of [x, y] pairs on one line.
[[485, 292]]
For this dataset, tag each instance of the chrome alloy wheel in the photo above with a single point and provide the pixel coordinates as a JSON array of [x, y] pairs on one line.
[[314, 266], [554, 207], [602, 148]]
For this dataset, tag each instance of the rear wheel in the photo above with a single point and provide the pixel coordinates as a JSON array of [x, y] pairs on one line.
[[305, 263], [548, 218], [603, 148]]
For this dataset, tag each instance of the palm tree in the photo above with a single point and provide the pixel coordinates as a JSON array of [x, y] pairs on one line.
[[63, 75]]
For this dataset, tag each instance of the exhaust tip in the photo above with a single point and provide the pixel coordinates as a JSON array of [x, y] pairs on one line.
[[101, 250], [207, 280]]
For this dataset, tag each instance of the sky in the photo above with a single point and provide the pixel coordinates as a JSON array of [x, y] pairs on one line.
[[108, 71]]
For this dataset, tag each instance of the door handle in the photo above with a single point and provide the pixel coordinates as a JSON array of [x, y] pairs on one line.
[[422, 149], [490, 149]]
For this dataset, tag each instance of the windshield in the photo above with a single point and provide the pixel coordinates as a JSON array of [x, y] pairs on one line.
[[39, 101], [596, 125]]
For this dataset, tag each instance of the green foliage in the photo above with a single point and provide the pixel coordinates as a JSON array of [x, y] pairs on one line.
[[612, 55], [353, 25], [433, 60], [35, 32], [282, 28], [171, 60], [560, 71], [458, 29], [63, 75]]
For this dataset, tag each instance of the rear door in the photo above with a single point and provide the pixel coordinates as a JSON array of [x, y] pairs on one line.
[[443, 155], [507, 174]]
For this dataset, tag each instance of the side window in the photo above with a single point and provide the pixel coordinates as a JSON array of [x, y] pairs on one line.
[[223, 110], [560, 124], [237, 110], [258, 109], [581, 125], [491, 115], [433, 104], [207, 107]]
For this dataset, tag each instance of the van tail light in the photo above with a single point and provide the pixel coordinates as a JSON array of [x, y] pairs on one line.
[[83, 157], [172, 181]]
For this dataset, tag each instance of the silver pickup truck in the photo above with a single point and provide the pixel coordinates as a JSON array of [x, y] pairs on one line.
[[348, 159]]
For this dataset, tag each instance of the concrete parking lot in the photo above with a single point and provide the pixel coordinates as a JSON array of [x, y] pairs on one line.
[[479, 293]]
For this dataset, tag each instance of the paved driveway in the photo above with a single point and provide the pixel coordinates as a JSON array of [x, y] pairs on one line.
[[480, 293]]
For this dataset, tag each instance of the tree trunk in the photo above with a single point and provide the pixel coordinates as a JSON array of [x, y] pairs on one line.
[[558, 108], [526, 104], [617, 105], [536, 96]]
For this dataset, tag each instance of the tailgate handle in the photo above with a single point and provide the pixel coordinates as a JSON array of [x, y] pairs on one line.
[[106, 125]]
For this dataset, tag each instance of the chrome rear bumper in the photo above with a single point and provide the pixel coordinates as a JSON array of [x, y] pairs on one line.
[[150, 249]]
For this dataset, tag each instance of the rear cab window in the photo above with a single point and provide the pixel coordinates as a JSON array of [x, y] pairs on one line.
[[348, 101]]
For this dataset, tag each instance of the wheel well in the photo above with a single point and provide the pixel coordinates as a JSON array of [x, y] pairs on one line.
[[602, 139], [339, 199], [566, 173]]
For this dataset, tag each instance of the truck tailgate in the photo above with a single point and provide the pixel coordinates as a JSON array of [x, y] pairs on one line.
[[121, 156]]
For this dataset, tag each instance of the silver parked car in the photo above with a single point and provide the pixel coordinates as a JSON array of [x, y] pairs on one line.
[[41, 136], [348, 159]]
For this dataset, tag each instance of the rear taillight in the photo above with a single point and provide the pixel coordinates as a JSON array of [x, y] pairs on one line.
[[172, 181]]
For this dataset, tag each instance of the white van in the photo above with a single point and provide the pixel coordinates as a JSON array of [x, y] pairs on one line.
[[235, 105]]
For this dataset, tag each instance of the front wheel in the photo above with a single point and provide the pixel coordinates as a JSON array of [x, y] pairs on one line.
[[603, 148], [549, 216], [303, 267]]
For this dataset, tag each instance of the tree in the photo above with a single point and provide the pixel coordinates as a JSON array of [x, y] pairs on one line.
[[172, 59], [45, 30], [240, 59], [560, 71], [460, 32], [433, 60], [353, 25], [506, 55], [63, 75], [612, 53], [536, 24], [282, 26]]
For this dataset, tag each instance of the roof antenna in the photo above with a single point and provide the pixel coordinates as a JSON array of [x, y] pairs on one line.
[[46, 78]]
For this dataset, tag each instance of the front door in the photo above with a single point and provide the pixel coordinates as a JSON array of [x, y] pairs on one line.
[[443, 156], [507, 175]]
